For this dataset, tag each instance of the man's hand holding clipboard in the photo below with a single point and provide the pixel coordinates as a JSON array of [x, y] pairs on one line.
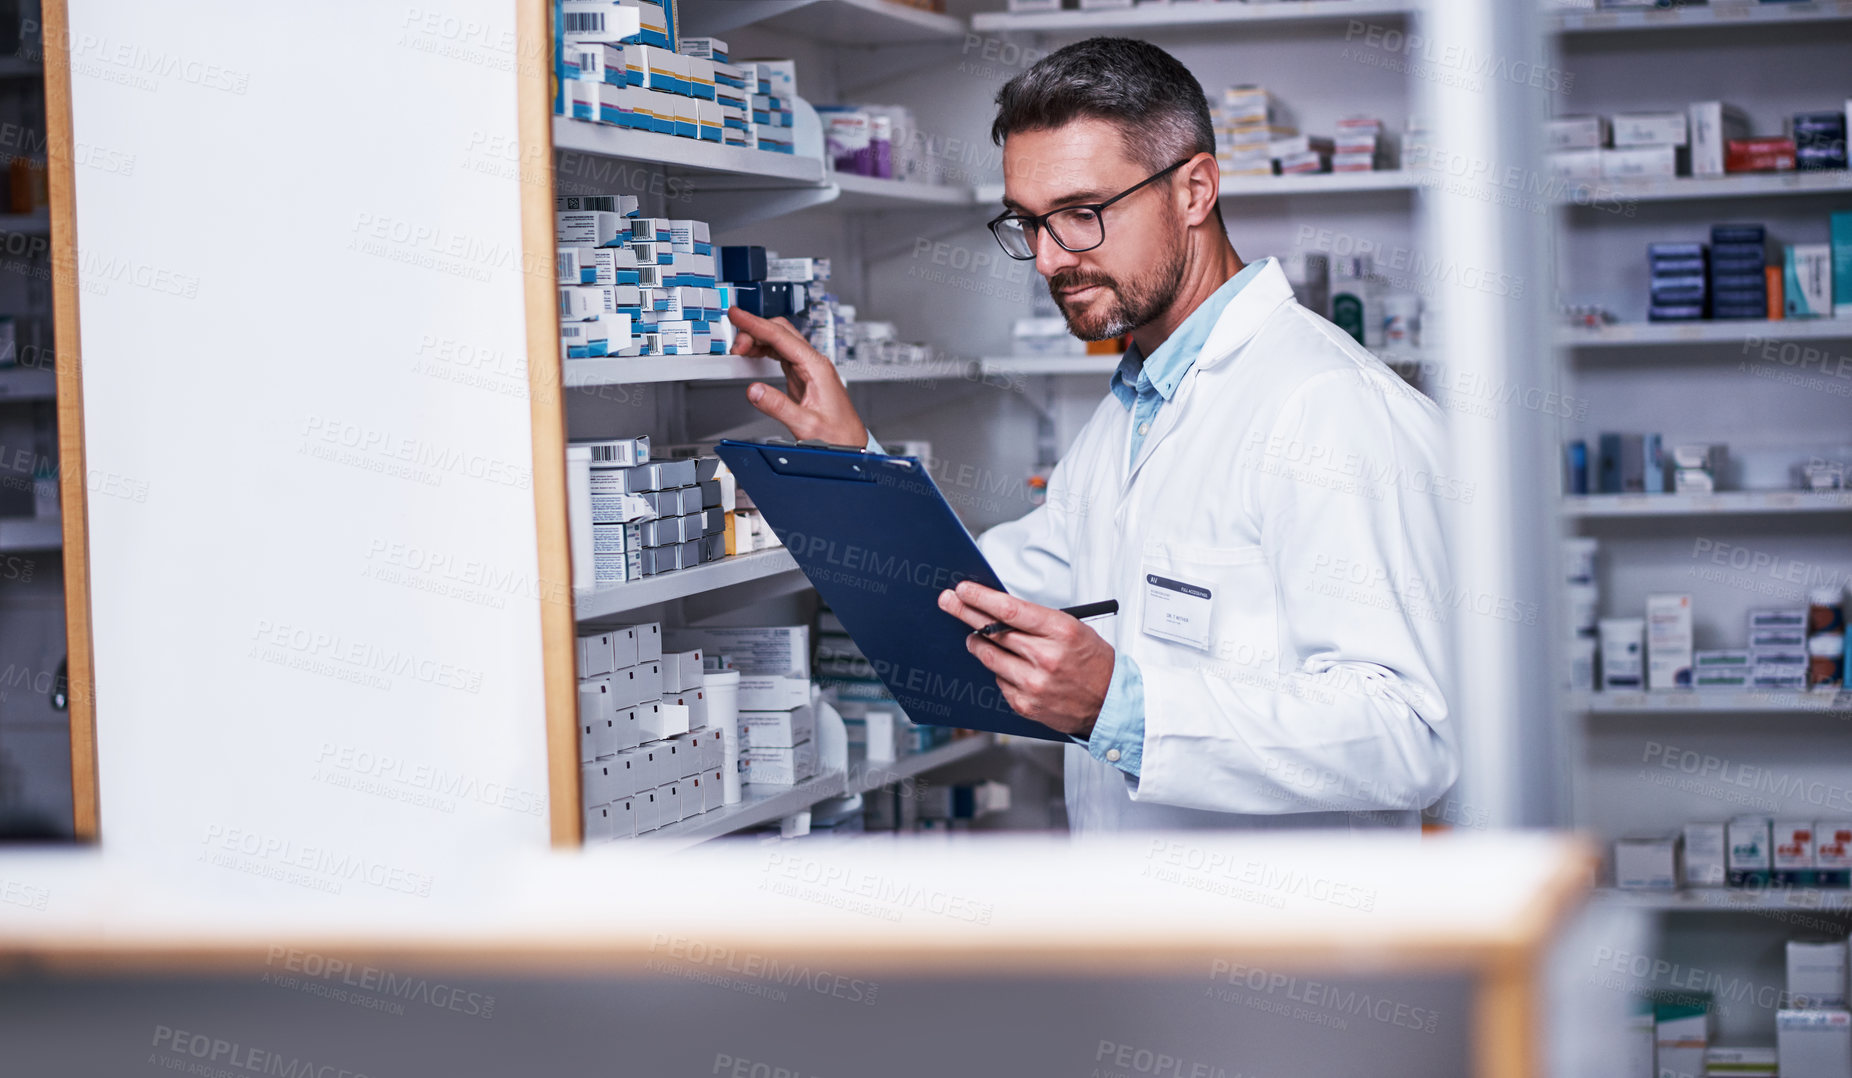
[[1051, 667]]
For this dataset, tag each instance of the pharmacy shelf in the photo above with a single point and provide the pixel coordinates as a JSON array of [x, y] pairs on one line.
[[758, 805], [680, 584], [864, 776], [684, 154], [937, 370], [1715, 14], [831, 22], [1727, 503], [1691, 702], [31, 533], [1742, 185], [1726, 899], [1008, 366], [1632, 334], [863, 194], [1185, 16], [639, 370], [27, 384], [1301, 183], [761, 805]]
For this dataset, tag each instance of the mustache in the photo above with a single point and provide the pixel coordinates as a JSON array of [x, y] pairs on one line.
[[1069, 279]]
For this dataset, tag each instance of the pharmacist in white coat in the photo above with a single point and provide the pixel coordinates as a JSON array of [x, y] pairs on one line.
[[1260, 494]]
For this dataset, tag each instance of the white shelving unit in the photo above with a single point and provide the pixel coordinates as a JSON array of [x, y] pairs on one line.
[[832, 22], [1730, 899], [762, 805], [1183, 17], [606, 603], [1742, 185], [1013, 366], [1727, 503], [1613, 704], [685, 154], [1647, 763], [1729, 331], [1723, 14]]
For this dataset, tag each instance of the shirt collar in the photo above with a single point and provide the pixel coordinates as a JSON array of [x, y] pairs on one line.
[[1165, 368]]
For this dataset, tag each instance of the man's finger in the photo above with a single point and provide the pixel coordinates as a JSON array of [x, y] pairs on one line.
[[775, 404], [1012, 670], [1004, 607]]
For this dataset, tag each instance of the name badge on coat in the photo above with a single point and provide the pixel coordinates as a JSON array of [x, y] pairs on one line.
[[1177, 610]]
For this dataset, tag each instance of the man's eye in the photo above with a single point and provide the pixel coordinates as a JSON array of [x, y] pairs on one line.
[[1081, 217]]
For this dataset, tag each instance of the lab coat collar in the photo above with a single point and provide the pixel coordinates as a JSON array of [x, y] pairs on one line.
[[1245, 313], [1166, 367], [1239, 321]]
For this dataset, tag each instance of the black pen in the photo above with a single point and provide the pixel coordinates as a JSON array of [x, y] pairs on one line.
[[1083, 612]]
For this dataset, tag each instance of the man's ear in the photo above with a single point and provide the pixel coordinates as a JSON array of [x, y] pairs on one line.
[[1202, 178]]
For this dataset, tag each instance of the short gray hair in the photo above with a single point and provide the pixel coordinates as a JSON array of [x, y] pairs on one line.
[[1143, 89]]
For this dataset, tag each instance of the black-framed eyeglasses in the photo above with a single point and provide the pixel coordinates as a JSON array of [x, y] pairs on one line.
[[1075, 228]]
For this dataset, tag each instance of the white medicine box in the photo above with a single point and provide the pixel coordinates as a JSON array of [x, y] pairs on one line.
[[1646, 863], [649, 641], [1814, 1044], [1817, 973], [596, 655]]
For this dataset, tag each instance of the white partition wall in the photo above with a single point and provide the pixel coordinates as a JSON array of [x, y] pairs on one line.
[[317, 647]]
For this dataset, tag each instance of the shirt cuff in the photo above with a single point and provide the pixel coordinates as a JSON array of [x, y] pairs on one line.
[[873, 446], [1118, 736]]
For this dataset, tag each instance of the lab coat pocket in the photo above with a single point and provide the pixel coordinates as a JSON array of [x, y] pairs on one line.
[[1232, 626]]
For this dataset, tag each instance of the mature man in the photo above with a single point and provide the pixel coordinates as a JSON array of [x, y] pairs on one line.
[[1255, 492]]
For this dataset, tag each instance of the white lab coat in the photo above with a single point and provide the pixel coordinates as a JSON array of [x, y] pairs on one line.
[[1299, 480]]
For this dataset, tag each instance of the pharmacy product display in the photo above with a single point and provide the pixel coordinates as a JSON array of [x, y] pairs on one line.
[[1787, 649], [622, 63], [635, 286], [1705, 138], [1640, 463], [1734, 276], [633, 517], [1255, 136], [777, 725], [873, 717], [648, 756], [882, 141], [760, 282]]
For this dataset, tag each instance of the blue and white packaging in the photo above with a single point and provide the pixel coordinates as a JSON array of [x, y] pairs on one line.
[[598, 21], [690, 237], [700, 78], [707, 48], [1807, 280], [590, 229]]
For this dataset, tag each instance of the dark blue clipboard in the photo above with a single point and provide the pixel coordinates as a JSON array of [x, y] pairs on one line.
[[879, 543]]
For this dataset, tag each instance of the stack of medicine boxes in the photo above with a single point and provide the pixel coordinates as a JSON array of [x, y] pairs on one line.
[[635, 286], [651, 517], [1680, 281], [773, 287], [647, 755], [620, 64], [777, 725], [1739, 274]]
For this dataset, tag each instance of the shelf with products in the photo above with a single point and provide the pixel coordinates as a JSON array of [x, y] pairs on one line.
[[1725, 503], [1728, 899], [1731, 331], [863, 23], [862, 194], [1604, 194], [760, 805], [684, 154], [1152, 17], [640, 370], [776, 566], [1725, 13], [1689, 702]]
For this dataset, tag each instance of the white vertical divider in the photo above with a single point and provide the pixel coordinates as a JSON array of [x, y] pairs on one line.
[[316, 608], [1485, 229]]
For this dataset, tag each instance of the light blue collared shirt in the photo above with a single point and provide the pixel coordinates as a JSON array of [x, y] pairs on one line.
[[1143, 385]]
